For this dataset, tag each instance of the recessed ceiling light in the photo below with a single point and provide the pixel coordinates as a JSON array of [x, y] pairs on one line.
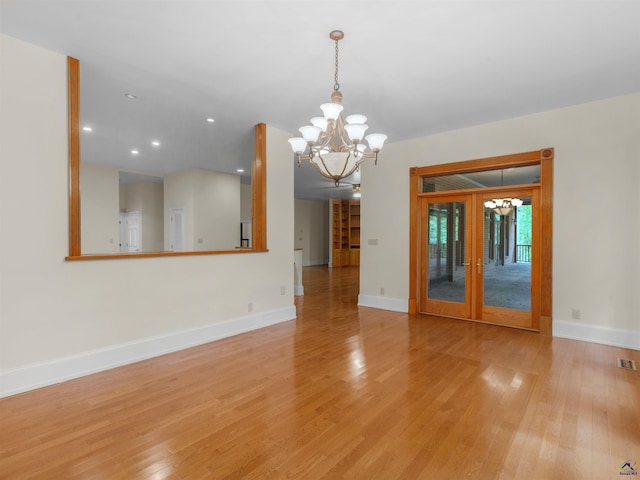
[[130, 96], [87, 128], [155, 143], [210, 120], [135, 152], [240, 170]]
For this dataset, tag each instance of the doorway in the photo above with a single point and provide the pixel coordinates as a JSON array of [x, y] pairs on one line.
[[177, 222], [473, 261], [478, 262], [130, 232]]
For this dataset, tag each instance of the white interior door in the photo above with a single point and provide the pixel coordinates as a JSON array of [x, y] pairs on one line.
[[130, 232], [177, 229]]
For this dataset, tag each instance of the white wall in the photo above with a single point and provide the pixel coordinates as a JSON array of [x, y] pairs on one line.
[[212, 208], [596, 233], [216, 216], [312, 231], [100, 194], [60, 319], [178, 192], [245, 202]]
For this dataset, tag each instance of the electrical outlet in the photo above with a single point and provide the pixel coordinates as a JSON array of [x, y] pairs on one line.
[[250, 307], [283, 290], [381, 290], [575, 314]]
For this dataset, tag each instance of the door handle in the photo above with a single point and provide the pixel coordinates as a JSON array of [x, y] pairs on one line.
[[468, 265], [479, 265]]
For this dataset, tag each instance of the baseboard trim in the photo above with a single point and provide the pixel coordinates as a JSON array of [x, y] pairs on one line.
[[615, 337], [313, 263], [384, 303], [27, 378]]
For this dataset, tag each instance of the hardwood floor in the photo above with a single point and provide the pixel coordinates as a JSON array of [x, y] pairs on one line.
[[341, 392]]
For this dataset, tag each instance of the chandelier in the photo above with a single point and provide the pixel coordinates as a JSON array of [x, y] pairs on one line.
[[503, 206], [334, 145]]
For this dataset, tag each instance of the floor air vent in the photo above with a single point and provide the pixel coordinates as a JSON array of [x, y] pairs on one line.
[[626, 364]]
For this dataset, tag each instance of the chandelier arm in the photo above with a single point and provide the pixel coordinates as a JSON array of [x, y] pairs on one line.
[[342, 134], [303, 157], [328, 136], [365, 155]]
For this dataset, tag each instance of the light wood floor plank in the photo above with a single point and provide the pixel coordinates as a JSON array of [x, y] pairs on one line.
[[340, 393]]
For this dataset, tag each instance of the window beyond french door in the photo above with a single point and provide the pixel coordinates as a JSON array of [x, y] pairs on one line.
[[479, 264]]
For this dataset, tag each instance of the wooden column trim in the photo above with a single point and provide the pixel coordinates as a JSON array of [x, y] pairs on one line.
[[73, 99], [259, 193], [414, 190], [546, 242]]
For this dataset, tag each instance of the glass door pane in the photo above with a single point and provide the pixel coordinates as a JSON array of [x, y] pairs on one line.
[[507, 256], [447, 264]]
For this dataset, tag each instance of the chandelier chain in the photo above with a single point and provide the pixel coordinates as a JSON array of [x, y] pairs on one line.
[[336, 85]]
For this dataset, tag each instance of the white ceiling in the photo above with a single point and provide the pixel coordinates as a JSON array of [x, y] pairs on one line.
[[413, 67]]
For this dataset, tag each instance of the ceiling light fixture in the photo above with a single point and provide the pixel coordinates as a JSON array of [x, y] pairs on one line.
[[155, 143], [210, 120], [130, 96], [503, 206], [332, 145], [135, 152], [87, 129]]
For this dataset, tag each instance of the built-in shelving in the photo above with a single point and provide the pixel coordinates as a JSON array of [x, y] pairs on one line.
[[345, 223]]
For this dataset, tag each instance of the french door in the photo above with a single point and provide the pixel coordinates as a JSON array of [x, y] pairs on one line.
[[446, 255], [478, 263]]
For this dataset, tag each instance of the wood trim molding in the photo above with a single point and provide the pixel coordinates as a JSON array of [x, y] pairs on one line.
[[490, 163], [414, 248], [546, 242], [259, 186], [73, 87], [259, 190]]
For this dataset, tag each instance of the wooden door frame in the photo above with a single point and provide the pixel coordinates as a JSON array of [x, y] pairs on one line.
[[544, 158]]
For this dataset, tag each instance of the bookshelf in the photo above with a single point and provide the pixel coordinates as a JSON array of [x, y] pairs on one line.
[[345, 232]]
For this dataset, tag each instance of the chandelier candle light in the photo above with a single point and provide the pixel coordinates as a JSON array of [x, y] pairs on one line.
[[332, 145]]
